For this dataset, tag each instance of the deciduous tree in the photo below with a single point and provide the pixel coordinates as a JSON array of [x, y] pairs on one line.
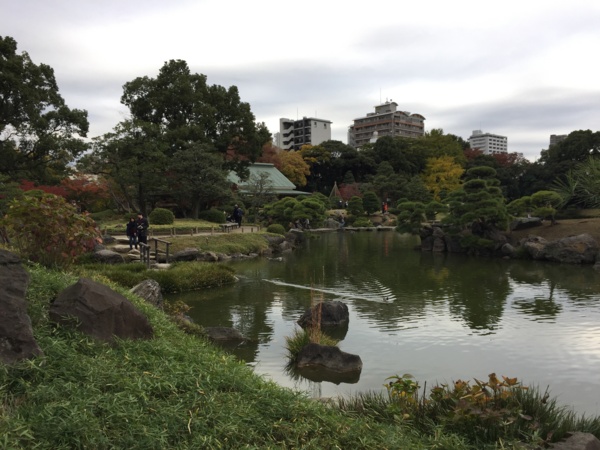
[[442, 175], [294, 167], [39, 134]]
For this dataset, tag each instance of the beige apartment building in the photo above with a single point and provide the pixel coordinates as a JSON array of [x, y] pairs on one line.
[[385, 121]]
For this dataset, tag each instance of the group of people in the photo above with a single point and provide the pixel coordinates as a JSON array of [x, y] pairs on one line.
[[137, 231]]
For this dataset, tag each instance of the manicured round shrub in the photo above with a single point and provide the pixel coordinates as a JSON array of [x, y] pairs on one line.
[[276, 228], [161, 216], [212, 215], [362, 222]]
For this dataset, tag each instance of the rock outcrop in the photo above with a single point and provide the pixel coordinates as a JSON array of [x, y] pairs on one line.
[[98, 311], [16, 335], [580, 249], [328, 314], [223, 334], [329, 357], [108, 257], [187, 254], [150, 291], [578, 441]]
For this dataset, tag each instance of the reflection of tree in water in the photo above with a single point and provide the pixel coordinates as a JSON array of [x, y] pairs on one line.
[[477, 292], [541, 309], [581, 284]]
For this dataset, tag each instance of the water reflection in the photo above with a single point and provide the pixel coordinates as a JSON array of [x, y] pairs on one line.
[[429, 315]]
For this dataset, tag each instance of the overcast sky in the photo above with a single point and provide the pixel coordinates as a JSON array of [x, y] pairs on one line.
[[522, 69]]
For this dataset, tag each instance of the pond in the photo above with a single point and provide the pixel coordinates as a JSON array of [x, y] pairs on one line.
[[437, 317]]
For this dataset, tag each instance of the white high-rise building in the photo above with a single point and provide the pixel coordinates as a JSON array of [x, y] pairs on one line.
[[488, 143], [293, 134]]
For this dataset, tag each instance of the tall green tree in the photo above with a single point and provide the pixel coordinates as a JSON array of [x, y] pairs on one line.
[[39, 134], [196, 175], [134, 157], [177, 115], [188, 110]]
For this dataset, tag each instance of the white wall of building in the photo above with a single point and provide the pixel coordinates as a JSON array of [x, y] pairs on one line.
[[488, 143]]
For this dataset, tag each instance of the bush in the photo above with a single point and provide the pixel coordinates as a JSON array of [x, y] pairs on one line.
[[212, 215], [49, 230], [362, 222], [161, 216], [109, 214], [276, 228]]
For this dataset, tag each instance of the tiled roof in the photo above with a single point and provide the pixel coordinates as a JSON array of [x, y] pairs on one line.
[[280, 183]]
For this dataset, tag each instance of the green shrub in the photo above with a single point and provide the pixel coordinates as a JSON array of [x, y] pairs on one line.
[[362, 222], [212, 215], [276, 228], [110, 214], [161, 216]]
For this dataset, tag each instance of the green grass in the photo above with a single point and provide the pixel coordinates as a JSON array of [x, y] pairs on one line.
[[180, 227], [174, 391], [228, 243], [180, 277]]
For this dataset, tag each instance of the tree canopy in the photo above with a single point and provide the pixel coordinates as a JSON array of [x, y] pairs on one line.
[[39, 134], [183, 137]]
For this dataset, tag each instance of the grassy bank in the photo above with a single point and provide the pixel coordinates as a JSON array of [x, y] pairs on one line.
[[175, 391]]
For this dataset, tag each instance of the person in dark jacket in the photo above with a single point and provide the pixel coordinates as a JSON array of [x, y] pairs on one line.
[[132, 232], [142, 228], [237, 215]]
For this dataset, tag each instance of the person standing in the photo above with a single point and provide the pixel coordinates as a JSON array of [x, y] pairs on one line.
[[237, 215], [142, 229], [132, 232]]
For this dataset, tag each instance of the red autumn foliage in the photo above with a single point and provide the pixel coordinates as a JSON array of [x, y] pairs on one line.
[[27, 185], [347, 191]]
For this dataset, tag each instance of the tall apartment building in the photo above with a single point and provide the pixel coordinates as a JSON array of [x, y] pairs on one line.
[[385, 121], [293, 134], [488, 143]]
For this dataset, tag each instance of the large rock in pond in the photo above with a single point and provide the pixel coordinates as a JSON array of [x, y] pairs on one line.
[[223, 334], [99, 312], [16, 335], [328, 314], [150, 291], [581, 249], [330, 357]]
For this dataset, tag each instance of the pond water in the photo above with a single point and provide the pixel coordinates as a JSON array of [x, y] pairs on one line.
[[437, 317]]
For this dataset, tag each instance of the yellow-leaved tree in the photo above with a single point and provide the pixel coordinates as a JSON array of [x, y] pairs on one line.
[[294, 167], [442, 175]]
